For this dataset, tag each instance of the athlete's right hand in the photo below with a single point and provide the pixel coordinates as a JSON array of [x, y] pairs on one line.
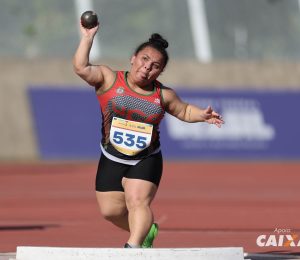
[[90, 33]]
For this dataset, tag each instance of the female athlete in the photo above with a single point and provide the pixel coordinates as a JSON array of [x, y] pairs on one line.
[[133, 104]]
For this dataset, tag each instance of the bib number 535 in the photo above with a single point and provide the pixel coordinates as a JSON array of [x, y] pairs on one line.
[[130, 140], [130, 137]]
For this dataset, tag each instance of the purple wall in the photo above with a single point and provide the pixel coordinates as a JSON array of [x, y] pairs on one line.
[[259, 125], [67, 122]]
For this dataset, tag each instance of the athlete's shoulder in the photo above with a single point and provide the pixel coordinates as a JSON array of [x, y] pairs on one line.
[[164, 88], [109, 79], [168, 94]]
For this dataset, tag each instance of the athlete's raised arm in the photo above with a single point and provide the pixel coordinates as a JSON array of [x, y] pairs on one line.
[[94, 75]]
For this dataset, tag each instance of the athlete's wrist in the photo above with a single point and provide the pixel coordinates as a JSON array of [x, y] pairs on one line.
[[87, 38]]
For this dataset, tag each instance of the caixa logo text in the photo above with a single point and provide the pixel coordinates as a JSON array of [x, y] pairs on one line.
[[286, 240]]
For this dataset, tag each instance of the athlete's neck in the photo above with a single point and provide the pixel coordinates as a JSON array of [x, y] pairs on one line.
[[138, 88]]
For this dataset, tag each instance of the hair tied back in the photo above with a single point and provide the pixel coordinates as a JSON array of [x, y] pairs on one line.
[[159, 40]]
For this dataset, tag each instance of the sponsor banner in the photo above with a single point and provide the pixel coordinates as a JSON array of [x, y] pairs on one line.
[[280, 238], [259, 125]]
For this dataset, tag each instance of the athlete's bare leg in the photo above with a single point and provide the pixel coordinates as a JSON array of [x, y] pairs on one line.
[[113, 208], [138, 196]]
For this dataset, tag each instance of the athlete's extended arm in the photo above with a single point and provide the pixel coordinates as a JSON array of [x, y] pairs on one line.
[[94, 75], [187, 112]]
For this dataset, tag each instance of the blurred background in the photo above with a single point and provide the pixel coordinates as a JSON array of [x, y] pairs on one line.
[[240, 56]]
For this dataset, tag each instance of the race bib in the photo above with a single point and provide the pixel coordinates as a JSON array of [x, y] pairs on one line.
[[130, 137]]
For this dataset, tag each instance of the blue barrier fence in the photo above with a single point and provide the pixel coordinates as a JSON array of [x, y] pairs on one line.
[[260, 125]]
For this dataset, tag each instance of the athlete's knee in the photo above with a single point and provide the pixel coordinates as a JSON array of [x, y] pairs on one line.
[[134, 201], [112, 212]]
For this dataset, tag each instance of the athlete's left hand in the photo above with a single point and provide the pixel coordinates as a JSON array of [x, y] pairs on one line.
[[212, 117]]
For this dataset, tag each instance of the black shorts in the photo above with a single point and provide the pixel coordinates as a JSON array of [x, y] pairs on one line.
[[110, 173]]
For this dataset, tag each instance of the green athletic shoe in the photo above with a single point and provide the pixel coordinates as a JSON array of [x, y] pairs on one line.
[[148, 242]]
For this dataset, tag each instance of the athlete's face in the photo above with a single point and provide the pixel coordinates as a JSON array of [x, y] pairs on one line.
[[146, 66]]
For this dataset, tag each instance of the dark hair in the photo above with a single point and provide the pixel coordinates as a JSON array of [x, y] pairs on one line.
[[157, 42]]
